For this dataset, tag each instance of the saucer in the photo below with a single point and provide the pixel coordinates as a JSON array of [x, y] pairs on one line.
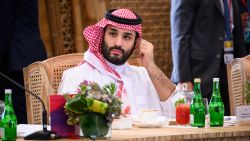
[[148, 124]]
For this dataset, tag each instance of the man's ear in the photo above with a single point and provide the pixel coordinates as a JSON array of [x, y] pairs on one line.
[[136, 47], [137, 43]]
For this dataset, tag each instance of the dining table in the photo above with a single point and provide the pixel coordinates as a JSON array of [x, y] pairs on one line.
[[176, 133]]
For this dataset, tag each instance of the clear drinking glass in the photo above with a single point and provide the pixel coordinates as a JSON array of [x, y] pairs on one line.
[[1, 108], [205, 102], [182, 111]]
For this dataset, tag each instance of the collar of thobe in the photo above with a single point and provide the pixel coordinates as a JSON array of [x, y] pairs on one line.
[[92, 60], [117, 68]]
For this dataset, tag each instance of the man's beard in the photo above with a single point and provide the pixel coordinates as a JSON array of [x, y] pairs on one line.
[[115, 59]]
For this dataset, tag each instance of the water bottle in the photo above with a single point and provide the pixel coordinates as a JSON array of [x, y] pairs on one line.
[[216, 106], [197, 108], [9, 120]]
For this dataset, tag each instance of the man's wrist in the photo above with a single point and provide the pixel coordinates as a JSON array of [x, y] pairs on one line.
[[150, 66]]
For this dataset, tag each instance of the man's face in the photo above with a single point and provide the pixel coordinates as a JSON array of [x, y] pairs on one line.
[[118, 44]]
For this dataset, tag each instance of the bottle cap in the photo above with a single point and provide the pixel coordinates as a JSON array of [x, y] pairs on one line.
[[197, 80], [8, 91], [216, 79]]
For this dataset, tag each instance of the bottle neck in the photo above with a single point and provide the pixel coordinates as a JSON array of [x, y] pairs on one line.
[[197, 92], [216, 88], [8, 99]]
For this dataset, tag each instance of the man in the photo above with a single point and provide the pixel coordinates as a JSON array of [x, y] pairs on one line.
[[198, 30], [20, 45], [111, 42]]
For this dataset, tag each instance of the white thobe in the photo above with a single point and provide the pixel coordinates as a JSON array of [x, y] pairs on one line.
[[140, 91]]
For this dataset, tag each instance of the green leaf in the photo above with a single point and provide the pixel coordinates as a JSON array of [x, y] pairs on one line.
[[98, 107], [77, 105], [110, 88], [83, 89], [179, 101]]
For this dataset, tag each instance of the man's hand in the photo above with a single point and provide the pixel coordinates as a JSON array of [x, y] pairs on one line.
[[146, 52], [163, 85], [126, 111]]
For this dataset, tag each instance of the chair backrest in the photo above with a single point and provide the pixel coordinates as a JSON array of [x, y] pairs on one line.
[[43, 78], [238, 76]]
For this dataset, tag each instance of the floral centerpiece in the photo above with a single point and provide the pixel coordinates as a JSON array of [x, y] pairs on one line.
[[93, 108]]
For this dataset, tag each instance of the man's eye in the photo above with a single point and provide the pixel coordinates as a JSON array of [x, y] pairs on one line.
[[112, 33], [127, 37]]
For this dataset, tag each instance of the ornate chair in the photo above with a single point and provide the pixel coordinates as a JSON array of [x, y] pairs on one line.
[[238, 76], [42, 78]]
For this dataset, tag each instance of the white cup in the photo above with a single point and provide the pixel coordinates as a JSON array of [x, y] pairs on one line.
[[148, 115]]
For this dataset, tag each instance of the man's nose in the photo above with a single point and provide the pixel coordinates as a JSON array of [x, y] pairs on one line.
[[118, 41]]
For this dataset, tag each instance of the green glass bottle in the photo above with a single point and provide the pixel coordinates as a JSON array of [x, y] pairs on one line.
[[197, 108], [216, 106], [9, 121]]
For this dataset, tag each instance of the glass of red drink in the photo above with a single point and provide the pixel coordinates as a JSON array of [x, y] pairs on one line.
[[183, 113]]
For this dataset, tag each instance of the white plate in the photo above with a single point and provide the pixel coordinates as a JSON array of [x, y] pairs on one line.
[[148, 125]]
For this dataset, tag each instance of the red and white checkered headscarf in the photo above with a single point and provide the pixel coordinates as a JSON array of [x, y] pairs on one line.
[[94, 35]]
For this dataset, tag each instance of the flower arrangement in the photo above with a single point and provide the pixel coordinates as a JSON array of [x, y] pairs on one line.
[[91, 98]]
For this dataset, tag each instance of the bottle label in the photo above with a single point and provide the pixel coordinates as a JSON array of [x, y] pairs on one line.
[[216, 115]]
